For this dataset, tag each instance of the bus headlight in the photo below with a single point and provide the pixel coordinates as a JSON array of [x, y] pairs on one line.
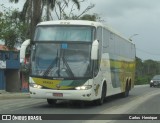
[[84, 87], [33, 85]]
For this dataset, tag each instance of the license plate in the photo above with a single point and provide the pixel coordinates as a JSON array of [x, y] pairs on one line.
[[58, 94]]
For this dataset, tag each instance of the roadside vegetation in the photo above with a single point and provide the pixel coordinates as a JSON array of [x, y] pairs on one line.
[[145, 70]]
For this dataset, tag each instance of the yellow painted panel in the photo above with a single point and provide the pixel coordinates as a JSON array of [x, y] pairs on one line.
[[46, 82]]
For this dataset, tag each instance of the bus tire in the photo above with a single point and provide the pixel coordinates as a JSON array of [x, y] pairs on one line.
[[130, 85], [82, 104], [126, 92], [103, 95], [51, 101]]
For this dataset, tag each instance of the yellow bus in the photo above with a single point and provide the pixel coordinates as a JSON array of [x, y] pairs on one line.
[[79, 60]]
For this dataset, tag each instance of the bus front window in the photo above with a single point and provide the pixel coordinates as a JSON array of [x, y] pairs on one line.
[[63, 33], [61, 60]]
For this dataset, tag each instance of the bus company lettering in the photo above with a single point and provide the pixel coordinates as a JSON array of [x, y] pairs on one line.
[[47, 82]]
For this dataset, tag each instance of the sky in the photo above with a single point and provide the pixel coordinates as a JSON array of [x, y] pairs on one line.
[[129, 17]]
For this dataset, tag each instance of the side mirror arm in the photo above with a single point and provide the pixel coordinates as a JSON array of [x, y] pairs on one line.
[[23, 48], [94, 51]]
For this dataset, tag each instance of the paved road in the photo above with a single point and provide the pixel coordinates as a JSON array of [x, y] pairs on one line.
[[150, 106], [141, 100]]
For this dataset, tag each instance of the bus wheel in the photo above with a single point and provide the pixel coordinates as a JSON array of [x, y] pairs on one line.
[[126, 93], [103, 95], [51, 101], [82, 104]]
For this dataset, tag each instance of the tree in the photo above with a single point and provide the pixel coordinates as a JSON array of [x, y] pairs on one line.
[[139, 67], [145, 70], [54, 5], [62, 12], [15, 1], [88, 17], [50, 4], [36, 16], [94, 17], [12, 28], [32, 12], [150, 67]]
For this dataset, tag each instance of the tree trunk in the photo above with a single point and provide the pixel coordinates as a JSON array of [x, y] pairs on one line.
[[36, 15], [47, 11]]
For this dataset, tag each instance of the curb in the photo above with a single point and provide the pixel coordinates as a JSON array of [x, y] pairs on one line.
[[8, 95]]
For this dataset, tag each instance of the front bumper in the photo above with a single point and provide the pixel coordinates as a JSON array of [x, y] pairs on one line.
[[155, 84], [86, 95]]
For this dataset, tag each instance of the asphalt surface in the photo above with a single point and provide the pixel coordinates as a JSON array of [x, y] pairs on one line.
[[142, 99], [13, 95], [151, 107]]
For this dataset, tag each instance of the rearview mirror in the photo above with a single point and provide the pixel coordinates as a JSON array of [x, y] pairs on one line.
[[94, 51]]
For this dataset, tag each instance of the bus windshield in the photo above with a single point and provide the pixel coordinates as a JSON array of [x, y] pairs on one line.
[[61, 60], [63, 33]]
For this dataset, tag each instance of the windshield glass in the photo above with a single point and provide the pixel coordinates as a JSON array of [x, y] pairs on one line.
[[63, 33], [156, 77], [61, 60]]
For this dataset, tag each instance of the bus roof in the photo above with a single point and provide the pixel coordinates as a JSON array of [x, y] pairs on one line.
[[84, 23], [71, 22]]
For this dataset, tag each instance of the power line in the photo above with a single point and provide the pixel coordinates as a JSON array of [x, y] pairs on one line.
[[147, 52]]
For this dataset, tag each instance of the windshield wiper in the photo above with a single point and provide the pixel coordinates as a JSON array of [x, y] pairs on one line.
[[51, 65], [55, 61], [67, 66]]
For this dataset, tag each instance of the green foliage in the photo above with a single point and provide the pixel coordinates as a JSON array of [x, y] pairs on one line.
[[88, 17], [145, 70], [11, 28], [15, 1], [94, 17], [140, 80]]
